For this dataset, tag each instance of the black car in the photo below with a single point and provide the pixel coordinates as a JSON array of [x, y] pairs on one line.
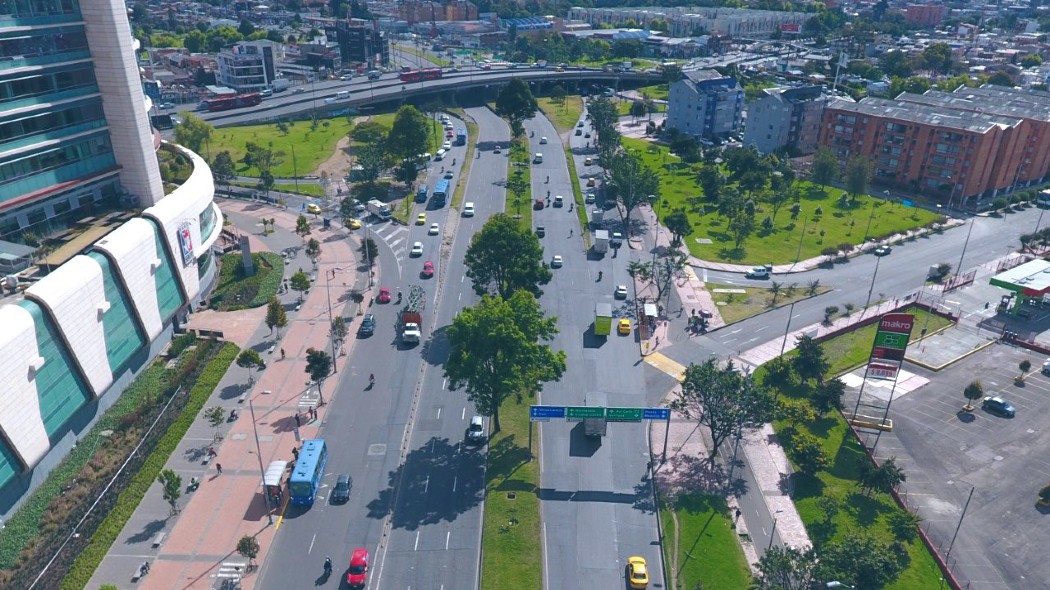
[[541, 231], [999, 407], [368, 325], [341, 492]]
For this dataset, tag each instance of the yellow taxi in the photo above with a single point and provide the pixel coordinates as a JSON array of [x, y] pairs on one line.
[[623, 326], [637, 572], [313, 208], [421, 219], [353, 223]]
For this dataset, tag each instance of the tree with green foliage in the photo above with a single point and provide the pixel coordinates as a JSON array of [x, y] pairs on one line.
[[302, 226], [194, 41], [559, 95], [786, 568], [275, 316], [250, 359], [222, 168], [171, 483], [370, 250], [300, 282], [373, 160], [862, 561], [313, 249], [215, 417], [711, 181], [603, 113], [741, 225], [881, 478], [778, 374], [498, 349], [677, 222], [1032, 60], [369, 132], [318, 367], [338, 330], [858, 173], [938, 57], [810, 362], [193, 132], [1001, 78], [248, 546], [827, 396], [805, 451], [973, 392], [408, 135], [515, 103], [504, 258], [633, 183], [825, 168], [723, 399]]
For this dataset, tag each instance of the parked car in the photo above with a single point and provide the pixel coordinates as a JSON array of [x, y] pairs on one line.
[[368, 325], [541, 231], [882, 250], [999, 407]]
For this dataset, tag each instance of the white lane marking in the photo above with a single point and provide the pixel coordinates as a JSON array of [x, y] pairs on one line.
[[760, 328], [444, 383], [416, 546], [546, 566], [462, 278], [311, 548], [735, 331], [463, 415], [455, 480], [448, 536], [439, 414], [426, 485]]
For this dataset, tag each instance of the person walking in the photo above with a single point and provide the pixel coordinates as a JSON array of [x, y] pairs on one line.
[[282, 354], [295, 453], [218, 467], [298, 420]]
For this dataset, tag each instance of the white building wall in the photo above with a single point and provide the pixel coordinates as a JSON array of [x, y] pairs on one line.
[[133, 247], [76, 298], [111, 42], [20, 418]]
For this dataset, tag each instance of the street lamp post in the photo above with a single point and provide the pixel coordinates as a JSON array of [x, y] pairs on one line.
[[328, 289], [773, 533], [958, 270], [258, 454]]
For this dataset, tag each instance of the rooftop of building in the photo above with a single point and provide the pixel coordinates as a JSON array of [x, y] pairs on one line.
[[703, 75], [940, 116], [796, 93], [975, 102]]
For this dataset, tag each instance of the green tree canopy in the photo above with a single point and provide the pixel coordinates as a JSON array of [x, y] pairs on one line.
[[785, 568], [677, 223], [858, 173], [408, 134], [723, 399], [250, 359], [825, 167], [515, 103], [222, 168], [504, 258], [193, 132], [498, 349], [318, 367], [300, 282], [810, 363], [275, 315], [633, 182]]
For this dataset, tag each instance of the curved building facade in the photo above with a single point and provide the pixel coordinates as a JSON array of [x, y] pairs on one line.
[[77, 337]]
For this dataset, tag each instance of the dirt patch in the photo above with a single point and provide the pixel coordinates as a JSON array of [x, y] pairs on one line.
[[338, 164]]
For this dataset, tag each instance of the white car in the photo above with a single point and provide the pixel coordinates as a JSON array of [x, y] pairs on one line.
[[468, 209], [433, 229], [417, 250], [757, 272], [543, 140], [556, 261], [620, 292], [446, 146]]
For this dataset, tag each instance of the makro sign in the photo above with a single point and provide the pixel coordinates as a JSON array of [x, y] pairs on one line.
[[891, 342]]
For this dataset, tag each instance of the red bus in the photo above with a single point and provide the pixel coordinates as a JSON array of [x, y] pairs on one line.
[[418, 75], [232, 102]]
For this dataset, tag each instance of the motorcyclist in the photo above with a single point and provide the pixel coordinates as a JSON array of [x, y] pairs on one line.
[[327, 565], [371, 379], [599, 275]]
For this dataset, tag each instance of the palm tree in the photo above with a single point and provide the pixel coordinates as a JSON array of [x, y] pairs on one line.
[[775, 289], [973, 392]]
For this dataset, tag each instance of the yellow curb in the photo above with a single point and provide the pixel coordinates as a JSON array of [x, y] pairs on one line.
[[661, 362], [954, 360]]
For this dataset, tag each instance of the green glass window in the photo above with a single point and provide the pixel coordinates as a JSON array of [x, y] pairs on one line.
[[169, 296], [60, 389], [9, 465], [123, 337]]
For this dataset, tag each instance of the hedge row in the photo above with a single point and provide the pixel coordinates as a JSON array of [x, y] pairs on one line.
[[152, 386], [92, 555]]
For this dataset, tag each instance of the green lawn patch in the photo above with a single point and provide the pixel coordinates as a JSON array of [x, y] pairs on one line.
[[464, 174], [312, 146], [304, 188], [565, 115], [657, 92], [790, 239], [511, 556], [236, 291], [520, 163], [708, 554], [441, 62], [734, 307]]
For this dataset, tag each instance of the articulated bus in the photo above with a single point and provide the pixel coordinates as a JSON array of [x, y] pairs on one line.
[[417, 75], [309, 469], [440, 192], [226, 103]]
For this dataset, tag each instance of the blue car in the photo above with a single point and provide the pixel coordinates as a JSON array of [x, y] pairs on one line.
[[999, 407]]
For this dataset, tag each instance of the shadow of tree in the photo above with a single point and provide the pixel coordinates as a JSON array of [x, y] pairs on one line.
[[504, 460], [431, 471], [233, 391], [152, 528], [683, 474], [866, 509]]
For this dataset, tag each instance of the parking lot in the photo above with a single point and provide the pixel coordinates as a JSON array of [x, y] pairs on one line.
[[945, 452]]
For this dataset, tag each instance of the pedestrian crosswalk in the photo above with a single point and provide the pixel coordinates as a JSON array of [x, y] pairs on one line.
[[394, 235]]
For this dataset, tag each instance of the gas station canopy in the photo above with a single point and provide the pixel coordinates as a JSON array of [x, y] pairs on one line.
[[1030, 280]]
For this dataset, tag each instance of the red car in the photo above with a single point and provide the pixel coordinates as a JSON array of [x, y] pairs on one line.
[[428, 269], [384, 295], [449, 134], [357, 574]]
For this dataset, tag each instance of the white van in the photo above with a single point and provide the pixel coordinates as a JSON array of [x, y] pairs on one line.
[[1043, 200], [342, 95], [440, 155], [468, 209], [538, 159]]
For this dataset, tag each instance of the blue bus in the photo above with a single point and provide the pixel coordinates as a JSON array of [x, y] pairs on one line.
[[461, 137], [440, 192], [309, 469]]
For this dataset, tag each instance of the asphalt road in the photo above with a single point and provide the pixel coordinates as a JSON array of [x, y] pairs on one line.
[[596, 499], [366, 428]]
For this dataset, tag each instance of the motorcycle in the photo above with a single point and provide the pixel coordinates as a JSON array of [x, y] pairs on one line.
[[328, 566]]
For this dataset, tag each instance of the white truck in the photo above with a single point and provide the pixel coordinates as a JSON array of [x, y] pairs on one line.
[[280, 84], [410, 320], [601, 242], [379, 209]]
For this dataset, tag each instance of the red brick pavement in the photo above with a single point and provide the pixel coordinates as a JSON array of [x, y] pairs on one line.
[[229, 506]]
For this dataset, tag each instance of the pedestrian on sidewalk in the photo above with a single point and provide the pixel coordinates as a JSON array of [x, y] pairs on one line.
[[218, 467], [295, 453], [298, 420], [282, 354], [737, 514]]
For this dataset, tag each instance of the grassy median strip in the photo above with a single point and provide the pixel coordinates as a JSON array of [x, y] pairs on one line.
[[520, 173], [563, 114], [511, 555], [700, 545], [472, 146], [738, 302]]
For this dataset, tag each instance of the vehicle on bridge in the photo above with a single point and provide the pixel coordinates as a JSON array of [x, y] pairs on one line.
[[420, 75], [226, 103], [309, 468]]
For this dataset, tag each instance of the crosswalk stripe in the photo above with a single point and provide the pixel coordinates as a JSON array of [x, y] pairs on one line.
[[666, 365]]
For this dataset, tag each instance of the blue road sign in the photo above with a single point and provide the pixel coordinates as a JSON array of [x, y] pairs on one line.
[[656, 413], [546, 412]]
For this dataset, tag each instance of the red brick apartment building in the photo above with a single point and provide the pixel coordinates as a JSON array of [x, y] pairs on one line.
[[975, 142]]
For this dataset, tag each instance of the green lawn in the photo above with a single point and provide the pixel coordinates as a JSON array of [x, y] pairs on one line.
[[657, 92], [740, 306], [425, 55], [520, 162], [709, 555], [236, 291], [311, 146], [789, 240], [564, 116], [511, 556], [858, 511], [304, 188]]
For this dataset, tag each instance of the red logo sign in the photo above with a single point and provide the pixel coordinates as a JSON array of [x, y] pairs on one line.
[[897, 322]]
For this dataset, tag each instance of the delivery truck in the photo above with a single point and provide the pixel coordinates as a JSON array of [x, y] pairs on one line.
[[601, 242], [378, 208], [602, 319], [595, 427]]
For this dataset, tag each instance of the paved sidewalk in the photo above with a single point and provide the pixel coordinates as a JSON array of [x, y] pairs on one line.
[[199, 544]]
